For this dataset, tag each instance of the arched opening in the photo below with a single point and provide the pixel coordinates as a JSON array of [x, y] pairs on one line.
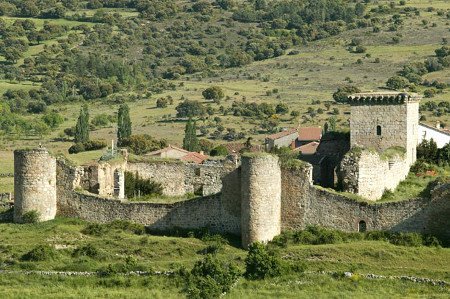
[[379, 130], [362, 226]]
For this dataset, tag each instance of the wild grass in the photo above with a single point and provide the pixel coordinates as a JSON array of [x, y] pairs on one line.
[[119, 246]]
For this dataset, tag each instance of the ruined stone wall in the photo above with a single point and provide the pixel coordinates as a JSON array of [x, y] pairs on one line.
[[179, 178], [368, 174], [34, 184], [206, 212], [304, 204], [260, 198], [295, 186]]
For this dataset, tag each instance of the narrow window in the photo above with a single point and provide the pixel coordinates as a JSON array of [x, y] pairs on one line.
[[379, 130], [362, 227]]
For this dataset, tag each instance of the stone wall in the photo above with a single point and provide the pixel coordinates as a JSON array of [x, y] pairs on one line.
[[304, 204], [260, 198], [180, 178], [398, 124], [205, 212], [368, 174], [34, 184]]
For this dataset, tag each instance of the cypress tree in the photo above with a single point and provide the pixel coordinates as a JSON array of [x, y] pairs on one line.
[[190, 141], [82, 126], [123, 123]]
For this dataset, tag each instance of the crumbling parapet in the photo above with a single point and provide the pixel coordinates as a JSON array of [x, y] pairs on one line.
[[34, 184], [260, 198]]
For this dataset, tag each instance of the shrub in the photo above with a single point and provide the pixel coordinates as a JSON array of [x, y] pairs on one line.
[[76, 148], [31, 217], [88, 250], [260, 263], [95, 229], [219, 150], [128, 226], [210, 278], [40, 253], [397, 82], [93, 145], [406, 239], [135, 185]]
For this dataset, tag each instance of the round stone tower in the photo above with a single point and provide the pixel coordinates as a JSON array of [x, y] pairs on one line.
[[261, 198], [34, 184]]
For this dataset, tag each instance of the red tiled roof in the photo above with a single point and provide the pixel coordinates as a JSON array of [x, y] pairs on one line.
[[309, 148], [282, 134], [309, 133], [194, 157]]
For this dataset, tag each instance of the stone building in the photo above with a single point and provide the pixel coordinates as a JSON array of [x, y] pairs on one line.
[[281, 139], [383, 140]]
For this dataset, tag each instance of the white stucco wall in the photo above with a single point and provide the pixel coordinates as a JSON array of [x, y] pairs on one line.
[[428, 133]]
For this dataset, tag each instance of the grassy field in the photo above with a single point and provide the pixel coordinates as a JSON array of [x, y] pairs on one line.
[[116, 246]]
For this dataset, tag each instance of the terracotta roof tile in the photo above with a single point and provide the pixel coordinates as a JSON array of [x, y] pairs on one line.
[[309, 148], [309, 133], [194, 157]]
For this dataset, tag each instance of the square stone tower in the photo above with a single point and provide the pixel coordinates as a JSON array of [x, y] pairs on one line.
[[384, 120]]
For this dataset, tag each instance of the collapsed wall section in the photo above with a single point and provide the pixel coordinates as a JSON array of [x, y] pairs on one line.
[[34, 184], [369, 174], [179, 178], [260, 198]]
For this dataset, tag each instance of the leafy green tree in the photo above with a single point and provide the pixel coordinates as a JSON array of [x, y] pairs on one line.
[[190, 140], [427, 151], [443, 156], [190, 109], [123, 123], [214, 93], [53, 119], [332, 124], [82, 126], [343, 92], [397, 82]]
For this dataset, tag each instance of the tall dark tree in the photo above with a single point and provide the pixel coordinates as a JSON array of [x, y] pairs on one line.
[[82, 127], [190, 141], [123, 123]]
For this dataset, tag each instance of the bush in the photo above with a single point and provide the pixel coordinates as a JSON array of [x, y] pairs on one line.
[[406, 239], [219, 150], [210, 278], [93, 145], [76, 148], [260, 263], [88, 250], [40, 253], [31, 217], [397, 82], [95, 229], [213, 93], [135, 185], [127, 226]]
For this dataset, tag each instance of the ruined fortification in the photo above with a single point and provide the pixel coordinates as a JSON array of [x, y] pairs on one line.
[[256, 197], [257, 200], [383, 140], [34, 184]]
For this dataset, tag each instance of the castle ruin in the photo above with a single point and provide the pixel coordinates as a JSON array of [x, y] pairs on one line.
[[255, 197]]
